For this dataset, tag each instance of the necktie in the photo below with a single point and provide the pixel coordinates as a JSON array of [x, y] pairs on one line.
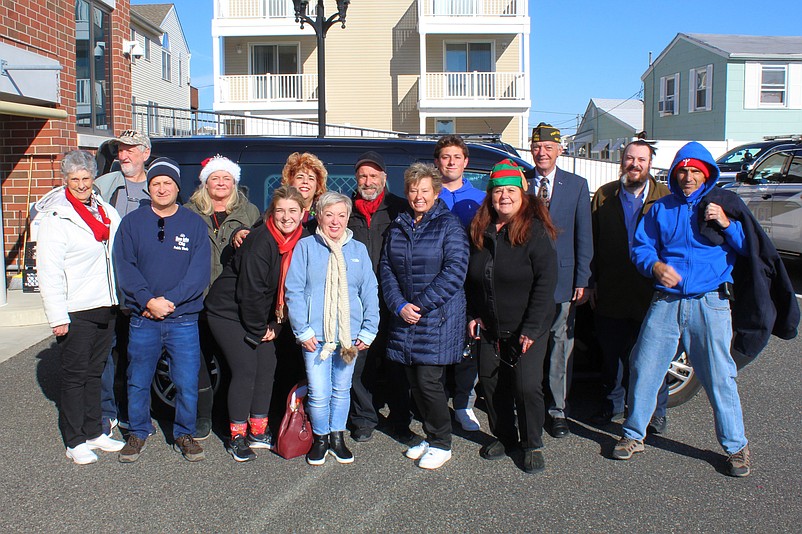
[[543, 191]]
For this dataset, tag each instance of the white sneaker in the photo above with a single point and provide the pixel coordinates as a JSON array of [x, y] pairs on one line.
[[413, 453], [467, 420], [105, 444], [434, 458], [81, 454]]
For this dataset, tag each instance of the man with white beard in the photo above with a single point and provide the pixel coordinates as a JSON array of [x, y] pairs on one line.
[[374, 209], [621, 295]]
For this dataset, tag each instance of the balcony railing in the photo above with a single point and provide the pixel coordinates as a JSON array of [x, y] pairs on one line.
[[268, 88], [475, 86], [244, 9], [472, 8]]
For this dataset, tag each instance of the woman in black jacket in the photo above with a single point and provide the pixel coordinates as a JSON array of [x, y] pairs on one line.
[[512, 273], [246, 312]]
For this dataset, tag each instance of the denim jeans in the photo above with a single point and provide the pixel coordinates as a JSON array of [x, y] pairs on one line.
[[147, 339], [329, 395], [108, 406], [703, 326]]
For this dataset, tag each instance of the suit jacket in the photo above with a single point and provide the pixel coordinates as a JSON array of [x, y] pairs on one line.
[[570, 212], [621, 291]]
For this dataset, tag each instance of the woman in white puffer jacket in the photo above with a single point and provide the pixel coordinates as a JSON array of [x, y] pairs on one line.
[[76, 280]]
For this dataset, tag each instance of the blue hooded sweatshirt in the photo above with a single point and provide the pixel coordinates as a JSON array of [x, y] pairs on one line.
[[670, 233]]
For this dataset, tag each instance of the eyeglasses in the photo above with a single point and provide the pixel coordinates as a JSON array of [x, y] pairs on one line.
[[161, 230]]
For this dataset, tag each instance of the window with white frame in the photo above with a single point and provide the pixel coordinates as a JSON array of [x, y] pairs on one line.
[[147, 49], [180, 69], [700, 90], [444, 126], [669, 92], [167, 59], [773, 88]]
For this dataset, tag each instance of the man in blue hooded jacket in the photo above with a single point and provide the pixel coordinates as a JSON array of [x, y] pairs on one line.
[[691, 305]]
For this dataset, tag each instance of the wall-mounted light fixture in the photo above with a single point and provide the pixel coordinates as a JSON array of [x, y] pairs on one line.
[[133, 49], [239, 49]]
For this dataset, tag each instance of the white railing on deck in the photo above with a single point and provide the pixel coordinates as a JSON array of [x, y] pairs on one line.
[[243, 9], [475, 85], [473, 8], [269, 88]]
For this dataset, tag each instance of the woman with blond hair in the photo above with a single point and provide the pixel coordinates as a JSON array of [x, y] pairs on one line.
[[306, 173]]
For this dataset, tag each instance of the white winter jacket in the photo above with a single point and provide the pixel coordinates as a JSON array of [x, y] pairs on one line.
[[75, 271]]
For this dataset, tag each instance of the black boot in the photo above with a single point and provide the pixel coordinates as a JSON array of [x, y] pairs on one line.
[[338, 449], [203, 421], [317, 454]]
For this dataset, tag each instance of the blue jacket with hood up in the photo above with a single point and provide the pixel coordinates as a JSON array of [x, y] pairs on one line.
[[670, 233]]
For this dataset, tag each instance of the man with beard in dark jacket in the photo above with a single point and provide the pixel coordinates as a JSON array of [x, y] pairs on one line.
[[374, 209], [621, 295]]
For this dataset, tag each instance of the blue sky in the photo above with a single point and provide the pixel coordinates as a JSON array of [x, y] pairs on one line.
[[580, 49]]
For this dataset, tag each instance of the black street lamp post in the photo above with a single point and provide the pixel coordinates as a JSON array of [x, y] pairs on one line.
[[321, 26]]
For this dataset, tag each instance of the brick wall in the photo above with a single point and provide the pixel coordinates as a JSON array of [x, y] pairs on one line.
[[30, 149]]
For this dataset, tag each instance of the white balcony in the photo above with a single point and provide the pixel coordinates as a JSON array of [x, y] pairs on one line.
[[248, 9], [473, 16], [280, 92], [504, 92], [472, 8]]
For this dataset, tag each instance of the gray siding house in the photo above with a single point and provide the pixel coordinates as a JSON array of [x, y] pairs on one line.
[[161, 76], [724, 87], [607, 126]]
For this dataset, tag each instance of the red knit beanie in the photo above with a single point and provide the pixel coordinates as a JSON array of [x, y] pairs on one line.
[[696, 164]]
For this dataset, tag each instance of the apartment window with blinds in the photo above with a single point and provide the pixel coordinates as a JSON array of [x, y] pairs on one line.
[[93, 66], [667, 105], [700, 93], [773, 85]]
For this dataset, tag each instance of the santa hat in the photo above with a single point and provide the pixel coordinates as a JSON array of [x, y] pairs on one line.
[[219, 163]]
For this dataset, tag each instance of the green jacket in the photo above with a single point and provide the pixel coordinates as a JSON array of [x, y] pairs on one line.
[[244, 216], [621, 292]]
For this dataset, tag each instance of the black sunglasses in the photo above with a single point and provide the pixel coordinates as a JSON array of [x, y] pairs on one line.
[[161, 230]]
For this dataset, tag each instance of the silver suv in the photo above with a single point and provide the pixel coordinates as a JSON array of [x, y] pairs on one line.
[[772, 189]]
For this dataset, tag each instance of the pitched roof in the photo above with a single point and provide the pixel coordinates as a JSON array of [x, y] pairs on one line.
[[152, 13], [749, 45], [628, 111]]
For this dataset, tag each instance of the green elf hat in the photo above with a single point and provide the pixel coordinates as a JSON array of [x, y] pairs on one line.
[[507, 172]]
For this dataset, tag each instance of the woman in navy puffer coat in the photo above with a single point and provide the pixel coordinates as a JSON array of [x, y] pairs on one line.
[[422, 269]]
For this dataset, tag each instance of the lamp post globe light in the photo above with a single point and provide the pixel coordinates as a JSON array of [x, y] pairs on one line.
[[321, 25]]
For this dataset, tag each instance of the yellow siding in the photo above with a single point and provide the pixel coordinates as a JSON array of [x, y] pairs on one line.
[[507, 126]]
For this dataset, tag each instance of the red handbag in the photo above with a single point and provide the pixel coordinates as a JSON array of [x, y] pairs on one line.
[[295, 433]]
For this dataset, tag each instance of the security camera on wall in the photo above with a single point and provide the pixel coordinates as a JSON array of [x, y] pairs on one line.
[[133, 49]]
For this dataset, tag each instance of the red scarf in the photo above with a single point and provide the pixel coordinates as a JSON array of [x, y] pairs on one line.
[[286, 243], [99, 229], [368, 207]]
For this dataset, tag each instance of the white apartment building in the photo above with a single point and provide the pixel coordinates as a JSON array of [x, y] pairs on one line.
[[413, 66]]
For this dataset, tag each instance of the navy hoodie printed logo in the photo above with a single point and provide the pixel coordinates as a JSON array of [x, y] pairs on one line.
[[181, 243]]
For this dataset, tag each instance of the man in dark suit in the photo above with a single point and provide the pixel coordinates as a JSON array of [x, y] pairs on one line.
[[568, 198]]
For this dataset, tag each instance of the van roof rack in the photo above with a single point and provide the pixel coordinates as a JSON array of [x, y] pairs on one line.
[[471, 137]]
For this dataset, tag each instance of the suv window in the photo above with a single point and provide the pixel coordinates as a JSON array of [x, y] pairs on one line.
[[794, 175], [770, 169]]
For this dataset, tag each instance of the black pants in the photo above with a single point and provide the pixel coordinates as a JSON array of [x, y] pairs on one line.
[[252, 370], [426, 383], [509, 389], [84, 351], [376, 381]]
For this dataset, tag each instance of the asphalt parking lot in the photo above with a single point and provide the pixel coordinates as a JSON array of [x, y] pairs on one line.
[[676, 485]]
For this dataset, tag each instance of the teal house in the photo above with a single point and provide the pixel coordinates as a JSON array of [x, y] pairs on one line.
[[724, 87], [608, 124]]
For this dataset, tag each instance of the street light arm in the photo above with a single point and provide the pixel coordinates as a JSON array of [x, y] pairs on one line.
[[332, 20]]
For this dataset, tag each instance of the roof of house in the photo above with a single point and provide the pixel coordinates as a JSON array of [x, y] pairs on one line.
[[749, 45], [152, 13], [739, 47], [628, 111]]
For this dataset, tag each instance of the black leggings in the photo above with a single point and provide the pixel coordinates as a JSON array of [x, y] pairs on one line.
[[252, 369]]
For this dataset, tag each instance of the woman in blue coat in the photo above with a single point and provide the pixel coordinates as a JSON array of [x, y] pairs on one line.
[[422, 269]]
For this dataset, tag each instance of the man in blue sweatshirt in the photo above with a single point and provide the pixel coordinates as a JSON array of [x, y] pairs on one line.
[[691, 304], [463, 199], [162, 259]]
